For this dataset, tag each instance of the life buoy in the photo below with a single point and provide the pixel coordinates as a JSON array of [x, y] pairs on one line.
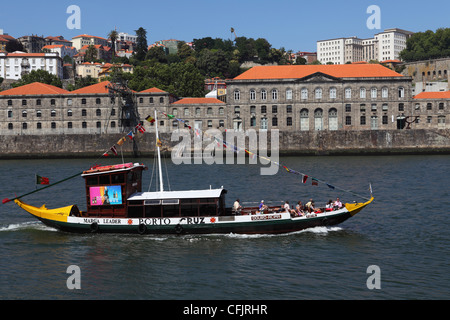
[[94, 227], [142, 229], [178, 229]]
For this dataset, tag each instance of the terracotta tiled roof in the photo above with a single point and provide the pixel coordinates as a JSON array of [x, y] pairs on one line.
[[433, 95], [300, 71], [199, 101], [35, 88], [88, 36], [95, 88], [153, 90]]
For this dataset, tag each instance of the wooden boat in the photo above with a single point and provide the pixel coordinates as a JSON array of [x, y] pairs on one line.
[[116, 204]]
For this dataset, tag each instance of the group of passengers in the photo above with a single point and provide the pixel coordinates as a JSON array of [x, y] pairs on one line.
[[310, 207], [299, 211]]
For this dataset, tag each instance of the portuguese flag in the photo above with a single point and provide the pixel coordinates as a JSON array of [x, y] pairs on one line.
[[42, 180]]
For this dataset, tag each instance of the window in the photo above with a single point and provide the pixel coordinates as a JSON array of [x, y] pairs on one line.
[[429, 106], [83, 101], [363, 120], [385, 107], [98, 113], [252, 95], [161, 100], [221, 111], [113, 124], [209, 123], [332, 93], [348, 120], [348, 93], [274, 109], [84, 125], [274, 94], [197, 111], [53, 102], [289, 94], [237, 95], [53, 125], [401, 107], [24, 102], [237, 110], [263, 109], [288, 109], [83, 113], [263, 95], [374, 107], [113, 112], [38, 102], [318, 93], [304, 94], [289, 121], [348, 108], [69, 125], [441, 106], [209, 111], [38, 114], [53, 113], [274, 121], [69, 102], [384, 93], [98, 124], [384, 120], [24, 114], [373, 93], [151, 100], [264, 123], [186, 111], [10, 103], [10, 126], [24, 126], [252, 122], [99, 101], [362, 93], [39, 126], [69, 113], [401, 92], [221, 124]]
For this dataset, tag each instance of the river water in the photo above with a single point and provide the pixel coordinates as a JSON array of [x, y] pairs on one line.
[[404, 233]]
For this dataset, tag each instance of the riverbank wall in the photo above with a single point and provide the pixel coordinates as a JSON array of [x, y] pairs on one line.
[[346, 142]]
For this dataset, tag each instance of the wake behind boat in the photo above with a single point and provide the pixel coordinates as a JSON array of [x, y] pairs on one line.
[[116, 204]]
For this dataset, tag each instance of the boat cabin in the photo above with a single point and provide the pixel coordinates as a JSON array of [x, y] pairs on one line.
[[168, 204], [108, 188], [116, 191]]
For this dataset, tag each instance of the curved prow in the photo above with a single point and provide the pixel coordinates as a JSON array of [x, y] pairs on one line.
[[60, 214], [354, 208]]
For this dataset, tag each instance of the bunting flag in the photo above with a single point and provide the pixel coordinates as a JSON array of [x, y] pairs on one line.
[[106, 154], [121, 141], [158, 143], [114, 150], [130, 135], [305, 177], [150, 119], [225, 144], [42, 180], [140, 128]]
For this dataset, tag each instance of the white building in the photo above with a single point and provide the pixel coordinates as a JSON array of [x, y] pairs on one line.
[[127, 37], [14, 65], [62, 50], [385, 45]]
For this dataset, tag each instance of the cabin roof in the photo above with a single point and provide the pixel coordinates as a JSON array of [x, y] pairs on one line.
[[166, 195]]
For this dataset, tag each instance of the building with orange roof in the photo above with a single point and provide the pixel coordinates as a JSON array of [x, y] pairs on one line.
[[319, 97], [87, 40], [61, 49], [431, 110]]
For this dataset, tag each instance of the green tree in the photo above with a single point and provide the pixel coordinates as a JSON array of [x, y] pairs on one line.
[[113, 35], [427, 45], [41, 76], [14, 45], [141, 44], [91, 54]]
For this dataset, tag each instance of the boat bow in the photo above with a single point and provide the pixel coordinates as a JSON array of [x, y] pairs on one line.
[[59, 214], [354, 208]]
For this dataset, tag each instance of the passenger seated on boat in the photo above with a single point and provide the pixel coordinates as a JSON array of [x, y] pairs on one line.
[[329, 205], [287, 208], [337, 204], [237, 208], [299, 210], [263, 208]]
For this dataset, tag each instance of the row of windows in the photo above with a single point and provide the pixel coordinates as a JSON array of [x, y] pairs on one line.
[[83, 101], [98, 113], [318, 93], [53, 125], [197, 112]]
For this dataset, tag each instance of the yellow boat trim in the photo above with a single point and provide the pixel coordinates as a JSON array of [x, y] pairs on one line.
[[60, 214], [354, 208]]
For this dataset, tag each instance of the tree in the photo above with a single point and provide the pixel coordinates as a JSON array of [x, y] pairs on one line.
[[141, 44], [427, 45], [82, 82], [14, 45], [91, 54], [41, 76], [113, 35], [213, 63]]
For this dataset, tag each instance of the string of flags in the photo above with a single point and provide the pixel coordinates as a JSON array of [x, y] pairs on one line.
[[220, 142]]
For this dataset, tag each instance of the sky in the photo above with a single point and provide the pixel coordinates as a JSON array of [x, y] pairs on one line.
[[292, 24]]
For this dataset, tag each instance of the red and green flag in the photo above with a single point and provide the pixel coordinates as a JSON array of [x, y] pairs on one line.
[[42, 180]]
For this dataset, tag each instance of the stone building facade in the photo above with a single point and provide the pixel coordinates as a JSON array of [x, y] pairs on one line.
[[304, 98], [293, 99]]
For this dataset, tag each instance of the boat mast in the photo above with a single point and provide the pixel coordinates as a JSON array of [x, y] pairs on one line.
[[161, 185]]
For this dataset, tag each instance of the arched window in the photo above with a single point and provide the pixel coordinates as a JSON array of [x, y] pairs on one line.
[[318, 119], [274, 94], [237, 95], [318, 93], [304, 120], [332, 119], [252, 94]]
